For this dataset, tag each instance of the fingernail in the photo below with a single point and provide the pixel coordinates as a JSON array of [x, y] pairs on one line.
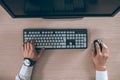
[[95, 42]]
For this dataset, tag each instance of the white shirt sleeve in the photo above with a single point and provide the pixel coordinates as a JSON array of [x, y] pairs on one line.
[[101, 75], [25, 73]]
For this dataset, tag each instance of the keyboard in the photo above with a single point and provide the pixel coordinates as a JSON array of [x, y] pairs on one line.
[[57, 38]]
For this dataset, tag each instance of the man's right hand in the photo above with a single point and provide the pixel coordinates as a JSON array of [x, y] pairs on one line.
[[101, 58]]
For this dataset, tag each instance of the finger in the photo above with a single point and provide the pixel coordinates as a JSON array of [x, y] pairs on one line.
[[104, 47], [41, 52], [92, 53], [31, 46], [23, 47], [98, 49], [28, 45], [105, 50], [32, 42]]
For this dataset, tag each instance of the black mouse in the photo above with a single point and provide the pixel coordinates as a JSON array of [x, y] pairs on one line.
[[100, 45]]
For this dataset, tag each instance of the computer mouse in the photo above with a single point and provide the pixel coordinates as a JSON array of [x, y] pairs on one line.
[[100, 45]]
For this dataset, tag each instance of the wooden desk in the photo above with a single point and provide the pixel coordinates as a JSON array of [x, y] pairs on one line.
[[59, 64]]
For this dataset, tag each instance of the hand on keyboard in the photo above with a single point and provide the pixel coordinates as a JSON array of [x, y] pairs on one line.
[[30, 52]]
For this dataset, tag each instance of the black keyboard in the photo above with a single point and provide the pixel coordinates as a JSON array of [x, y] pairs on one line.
[[57, 38]]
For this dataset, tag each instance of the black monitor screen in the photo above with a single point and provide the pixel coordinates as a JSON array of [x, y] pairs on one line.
[[60, 8]]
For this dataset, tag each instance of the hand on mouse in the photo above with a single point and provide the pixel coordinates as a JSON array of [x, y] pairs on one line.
[[101, 58], [30, 52]]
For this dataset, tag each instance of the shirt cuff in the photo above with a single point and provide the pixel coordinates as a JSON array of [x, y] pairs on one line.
[[26, 71], [101, 75]]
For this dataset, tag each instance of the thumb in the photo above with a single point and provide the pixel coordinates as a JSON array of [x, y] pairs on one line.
[[41, 52], [92, 54]]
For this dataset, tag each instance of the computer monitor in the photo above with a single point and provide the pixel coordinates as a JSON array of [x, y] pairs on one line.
[[17, 8]]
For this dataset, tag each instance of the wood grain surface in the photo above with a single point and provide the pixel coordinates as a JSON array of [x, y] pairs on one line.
[[59, 64]]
